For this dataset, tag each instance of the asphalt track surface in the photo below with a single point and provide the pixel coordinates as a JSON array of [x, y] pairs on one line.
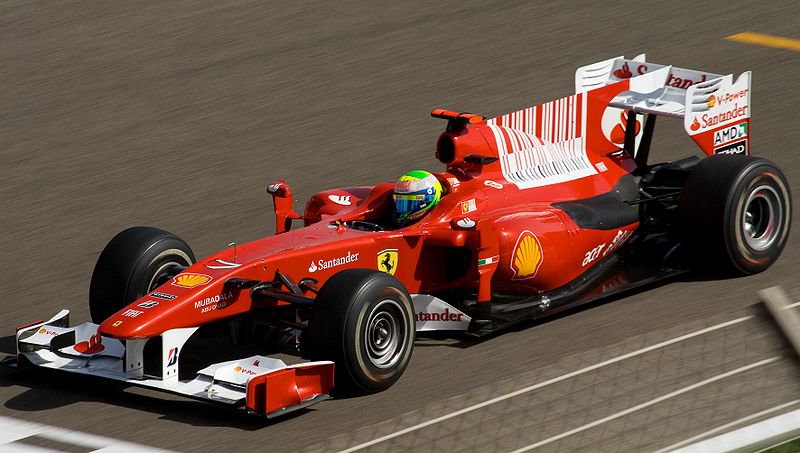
[[177, 115]]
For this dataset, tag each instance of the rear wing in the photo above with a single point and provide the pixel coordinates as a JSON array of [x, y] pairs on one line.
[[714, 108]]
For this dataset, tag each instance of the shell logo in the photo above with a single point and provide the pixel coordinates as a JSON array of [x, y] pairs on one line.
[[712, 101], [190, 280], [237, 369], [528, 256]]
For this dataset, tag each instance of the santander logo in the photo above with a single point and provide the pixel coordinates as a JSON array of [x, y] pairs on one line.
[[617, 135], [614, 122], [623, 72]]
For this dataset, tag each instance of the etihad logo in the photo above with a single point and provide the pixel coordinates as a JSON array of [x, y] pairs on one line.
[[190, 280], [527, 256], [387, 261]]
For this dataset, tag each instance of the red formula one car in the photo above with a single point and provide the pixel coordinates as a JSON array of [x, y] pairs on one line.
[[542, 209]]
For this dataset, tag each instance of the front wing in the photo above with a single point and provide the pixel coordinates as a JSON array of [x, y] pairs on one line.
[[264, 385]]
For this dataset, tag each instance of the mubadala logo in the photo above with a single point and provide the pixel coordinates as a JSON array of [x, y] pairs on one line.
[[213, 303], [327, 264]]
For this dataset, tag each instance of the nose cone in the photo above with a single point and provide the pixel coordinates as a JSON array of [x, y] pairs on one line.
[[142, 319]]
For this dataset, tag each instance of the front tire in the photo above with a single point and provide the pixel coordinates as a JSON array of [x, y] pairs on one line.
[[736, 213], [135, 262], [363, 320]]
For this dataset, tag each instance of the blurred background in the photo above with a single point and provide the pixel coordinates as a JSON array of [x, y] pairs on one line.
[[178, 114]]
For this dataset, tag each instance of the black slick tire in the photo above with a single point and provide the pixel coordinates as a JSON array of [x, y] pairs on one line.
[[735, 214], [135, 262], [363, 320]]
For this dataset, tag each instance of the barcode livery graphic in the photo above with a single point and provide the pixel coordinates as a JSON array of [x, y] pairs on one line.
[[543, 145]]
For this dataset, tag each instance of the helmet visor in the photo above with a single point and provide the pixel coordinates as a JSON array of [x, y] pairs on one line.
[[406, 205]]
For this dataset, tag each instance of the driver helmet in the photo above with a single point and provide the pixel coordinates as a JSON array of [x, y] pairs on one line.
[[414, 195]]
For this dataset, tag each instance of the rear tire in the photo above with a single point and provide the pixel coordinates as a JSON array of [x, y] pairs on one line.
[[363, 320], [736, 213], [135, 262]]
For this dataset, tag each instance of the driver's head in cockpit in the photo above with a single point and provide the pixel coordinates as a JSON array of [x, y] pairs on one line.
[[414, 195]]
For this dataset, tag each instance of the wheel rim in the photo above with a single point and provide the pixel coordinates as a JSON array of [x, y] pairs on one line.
[[164, 272], [385, 334], [761, 218]]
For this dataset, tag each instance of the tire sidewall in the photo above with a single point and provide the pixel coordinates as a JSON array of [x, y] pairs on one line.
[[338, 321], [357, 324], [153, 260], [712, 209], [125, 267], [745, 258]]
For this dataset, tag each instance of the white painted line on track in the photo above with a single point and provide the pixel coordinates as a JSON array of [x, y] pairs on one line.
[[22, 448], [12, 430], [638, 407], [727, 426], [547, 382]]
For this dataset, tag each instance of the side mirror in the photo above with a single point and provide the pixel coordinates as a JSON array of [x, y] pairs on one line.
[[284, 212]]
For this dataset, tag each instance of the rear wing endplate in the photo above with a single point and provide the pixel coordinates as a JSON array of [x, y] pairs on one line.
[[715, 108]]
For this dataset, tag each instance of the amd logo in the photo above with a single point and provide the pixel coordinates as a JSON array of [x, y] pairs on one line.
[[730, 133]]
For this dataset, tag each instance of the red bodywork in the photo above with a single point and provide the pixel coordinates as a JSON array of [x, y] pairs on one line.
[[495, 229]]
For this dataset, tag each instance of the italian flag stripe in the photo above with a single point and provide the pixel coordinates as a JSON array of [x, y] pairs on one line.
[[490, 260]]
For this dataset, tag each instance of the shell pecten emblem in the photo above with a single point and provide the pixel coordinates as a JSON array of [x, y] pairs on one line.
[[528, 256], [190, 280]]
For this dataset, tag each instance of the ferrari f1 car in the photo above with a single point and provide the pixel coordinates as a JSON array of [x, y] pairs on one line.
[[543, 209]]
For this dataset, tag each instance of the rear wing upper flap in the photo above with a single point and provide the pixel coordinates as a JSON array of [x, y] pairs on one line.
[[715, 108]]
